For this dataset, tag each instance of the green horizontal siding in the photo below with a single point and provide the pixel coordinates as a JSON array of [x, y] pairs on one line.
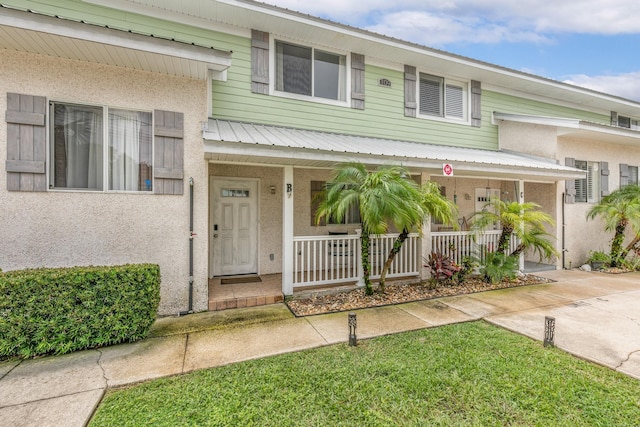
[[383, 116], [498, 102], [81, 11]]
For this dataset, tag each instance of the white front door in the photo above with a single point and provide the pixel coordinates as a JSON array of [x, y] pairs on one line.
[[234, 226]]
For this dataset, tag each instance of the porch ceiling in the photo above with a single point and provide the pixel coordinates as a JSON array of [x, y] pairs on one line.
[[237, 142], [63, 38]]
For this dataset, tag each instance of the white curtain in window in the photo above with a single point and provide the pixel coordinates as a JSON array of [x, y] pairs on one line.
[[124, 150], [83, 147]]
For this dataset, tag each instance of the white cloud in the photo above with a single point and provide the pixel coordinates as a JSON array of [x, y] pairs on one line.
[[493, 20], [439, 29], [625, 85], [442, 23]]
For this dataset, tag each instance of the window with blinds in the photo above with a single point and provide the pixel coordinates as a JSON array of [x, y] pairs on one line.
[[441, 97]]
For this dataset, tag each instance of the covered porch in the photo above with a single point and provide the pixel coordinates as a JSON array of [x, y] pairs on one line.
[[288, 165]]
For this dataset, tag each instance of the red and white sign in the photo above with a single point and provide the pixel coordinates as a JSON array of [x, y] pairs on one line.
[[447, 169]]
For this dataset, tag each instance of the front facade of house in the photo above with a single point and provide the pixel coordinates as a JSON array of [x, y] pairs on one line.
[[128, 126]]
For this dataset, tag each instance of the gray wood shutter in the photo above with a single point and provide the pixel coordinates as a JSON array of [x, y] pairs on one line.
[[259, 62], [570, 184], [476, 103], [410, 79], [624, 174], [604, 178], [168, 161], [614, 118], [26, 142], [357, 81]]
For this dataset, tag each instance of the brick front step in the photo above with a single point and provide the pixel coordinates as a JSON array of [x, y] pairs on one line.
[[241, 302]]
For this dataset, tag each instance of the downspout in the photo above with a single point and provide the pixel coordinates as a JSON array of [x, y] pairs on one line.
[[191, 235], [564, 249]]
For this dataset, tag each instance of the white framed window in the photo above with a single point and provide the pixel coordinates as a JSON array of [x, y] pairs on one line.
[[442, 97], [588, 189], [351, 216], [99, 148], [628, 122], [304, 71]]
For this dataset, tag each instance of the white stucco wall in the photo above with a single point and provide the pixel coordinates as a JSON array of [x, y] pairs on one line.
[[528, 138], [66, 228], [583, 236]]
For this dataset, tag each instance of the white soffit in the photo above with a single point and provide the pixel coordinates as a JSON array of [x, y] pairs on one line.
[[63, 38], [579, 129], [254, 143]]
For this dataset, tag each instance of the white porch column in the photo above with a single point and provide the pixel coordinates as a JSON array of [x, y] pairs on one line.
[[425, 239], [359, 258], [287, 232], [520, 199]]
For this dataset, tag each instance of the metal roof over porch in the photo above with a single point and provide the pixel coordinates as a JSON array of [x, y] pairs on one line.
[[251, 143]]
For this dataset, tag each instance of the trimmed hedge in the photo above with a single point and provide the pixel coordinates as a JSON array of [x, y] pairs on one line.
[[60, 310]]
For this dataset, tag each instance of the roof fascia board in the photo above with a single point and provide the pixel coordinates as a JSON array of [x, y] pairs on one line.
[[537, 120], [569, 124], [216, 60], [611, 130]]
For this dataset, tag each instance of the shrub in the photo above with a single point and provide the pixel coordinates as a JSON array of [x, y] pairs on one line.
[[60, 310], [442, 268], [498, 266], [466, 268]]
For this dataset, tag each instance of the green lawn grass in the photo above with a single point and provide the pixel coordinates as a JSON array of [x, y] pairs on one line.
[[465, 374]]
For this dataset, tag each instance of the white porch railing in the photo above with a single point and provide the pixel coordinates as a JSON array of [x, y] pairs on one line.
[[406, 262], [322, 260], [460, 244]]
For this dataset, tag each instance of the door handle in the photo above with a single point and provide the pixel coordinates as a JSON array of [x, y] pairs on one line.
[[215, 235]]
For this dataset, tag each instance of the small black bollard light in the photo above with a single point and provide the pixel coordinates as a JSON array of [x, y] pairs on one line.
[[549, 330], [353, 323]]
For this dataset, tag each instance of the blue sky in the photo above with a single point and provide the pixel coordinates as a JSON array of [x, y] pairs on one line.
[[590, 43]]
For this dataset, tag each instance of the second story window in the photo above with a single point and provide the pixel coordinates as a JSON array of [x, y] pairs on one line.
[[442, 97], [628, 122], [310, 72]]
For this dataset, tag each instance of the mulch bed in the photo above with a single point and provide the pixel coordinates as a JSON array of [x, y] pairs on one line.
[[395, 294]]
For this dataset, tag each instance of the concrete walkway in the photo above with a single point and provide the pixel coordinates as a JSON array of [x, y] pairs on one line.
[[597, 318]]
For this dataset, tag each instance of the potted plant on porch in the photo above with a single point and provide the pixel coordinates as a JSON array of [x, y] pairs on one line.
[[598, 260]]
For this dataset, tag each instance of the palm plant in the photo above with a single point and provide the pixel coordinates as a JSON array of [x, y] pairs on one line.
[[619, 210], [523, 220], [387, 196]]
